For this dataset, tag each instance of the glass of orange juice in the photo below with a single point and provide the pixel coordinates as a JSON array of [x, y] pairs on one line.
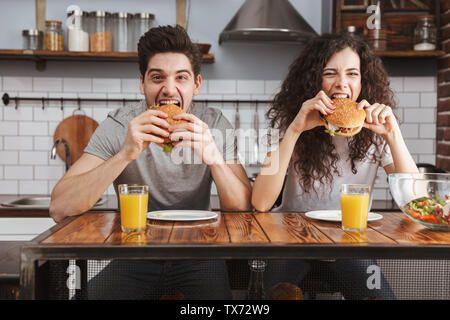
[[133, 207], [355, 206]]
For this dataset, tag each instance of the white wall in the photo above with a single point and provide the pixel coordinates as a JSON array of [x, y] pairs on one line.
[[26, 133]]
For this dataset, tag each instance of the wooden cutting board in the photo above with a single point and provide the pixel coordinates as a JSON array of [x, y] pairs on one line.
[[76, 130]]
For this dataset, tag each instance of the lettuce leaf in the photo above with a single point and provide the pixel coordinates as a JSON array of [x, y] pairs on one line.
[[168, 147]]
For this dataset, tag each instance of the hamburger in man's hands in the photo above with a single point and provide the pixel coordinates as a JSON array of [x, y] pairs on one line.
[[346, 120], [170, 110]]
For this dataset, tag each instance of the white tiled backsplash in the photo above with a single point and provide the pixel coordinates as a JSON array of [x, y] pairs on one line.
[[26, 133]]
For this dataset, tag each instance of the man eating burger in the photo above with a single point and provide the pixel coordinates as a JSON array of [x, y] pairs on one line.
[[124, 149]]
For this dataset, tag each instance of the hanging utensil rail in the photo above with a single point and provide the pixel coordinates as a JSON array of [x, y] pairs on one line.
[[7, 99]]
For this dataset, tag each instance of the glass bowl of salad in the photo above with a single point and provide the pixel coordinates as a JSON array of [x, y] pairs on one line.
[[423, 197]]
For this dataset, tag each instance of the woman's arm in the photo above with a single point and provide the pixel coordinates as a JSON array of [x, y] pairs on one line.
[[270, 180], [403, 161]]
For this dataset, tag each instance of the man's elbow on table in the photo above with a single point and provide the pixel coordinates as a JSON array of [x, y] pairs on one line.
[[59, 209], [55, 212], [237, 205]]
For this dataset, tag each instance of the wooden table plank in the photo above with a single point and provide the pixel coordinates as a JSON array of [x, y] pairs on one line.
[[98, 228], [155, 232], [289, 228], [399, 227], [209, 231], [334, 231], [92, 228], [243, 228]]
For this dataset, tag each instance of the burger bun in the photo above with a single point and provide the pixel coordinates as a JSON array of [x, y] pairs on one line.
[[346, 120]]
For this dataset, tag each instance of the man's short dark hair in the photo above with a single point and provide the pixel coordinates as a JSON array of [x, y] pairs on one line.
[[163, 39]]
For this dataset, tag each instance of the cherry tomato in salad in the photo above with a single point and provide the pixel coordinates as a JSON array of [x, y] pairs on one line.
[[430, 219], [415, 214]]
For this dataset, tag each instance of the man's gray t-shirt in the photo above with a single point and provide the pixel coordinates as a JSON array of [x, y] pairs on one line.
[[177, 180]]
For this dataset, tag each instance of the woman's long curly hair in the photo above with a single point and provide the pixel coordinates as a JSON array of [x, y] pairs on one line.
[[314, 156]]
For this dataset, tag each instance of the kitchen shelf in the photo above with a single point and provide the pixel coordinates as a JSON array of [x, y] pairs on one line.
[[410, 54], [41, 56]]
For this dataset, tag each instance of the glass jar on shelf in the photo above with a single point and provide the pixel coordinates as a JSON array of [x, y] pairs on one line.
[[425, 33], [32, 39], [142, 22], [53, 37], [77, 31], [100, 31], [122, 32]]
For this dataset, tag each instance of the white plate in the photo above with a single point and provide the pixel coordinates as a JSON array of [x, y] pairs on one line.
[[181, 215], [335, 215]]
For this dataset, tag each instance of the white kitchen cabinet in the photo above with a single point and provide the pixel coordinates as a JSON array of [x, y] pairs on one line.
[[23, 229]]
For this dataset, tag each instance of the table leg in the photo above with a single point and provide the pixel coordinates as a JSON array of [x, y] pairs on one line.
[[28, 265]]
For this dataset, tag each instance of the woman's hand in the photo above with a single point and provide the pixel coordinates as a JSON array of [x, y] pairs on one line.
[[309, 115], [379, 118]]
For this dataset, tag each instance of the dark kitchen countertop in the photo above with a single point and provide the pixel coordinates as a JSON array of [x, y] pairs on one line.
[[111, 205], [384, 205]]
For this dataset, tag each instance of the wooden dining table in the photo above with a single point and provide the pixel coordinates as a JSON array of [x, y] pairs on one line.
[[232, 235]]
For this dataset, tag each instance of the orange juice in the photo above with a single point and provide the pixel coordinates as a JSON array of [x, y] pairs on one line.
[[133, 211], [354, 208]]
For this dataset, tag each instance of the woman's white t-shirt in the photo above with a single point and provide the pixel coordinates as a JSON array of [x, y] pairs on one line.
[[327, 197]]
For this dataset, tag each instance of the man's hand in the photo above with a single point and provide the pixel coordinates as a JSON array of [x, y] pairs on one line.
[[196, 135], [149, 126]]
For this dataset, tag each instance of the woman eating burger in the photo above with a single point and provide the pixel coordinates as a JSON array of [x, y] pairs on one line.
[[336, 125]]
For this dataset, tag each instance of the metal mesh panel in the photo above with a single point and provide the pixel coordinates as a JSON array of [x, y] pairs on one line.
[[149, 279], [408, 279], [57, 281], [418, 279], [239, 273], [95, 266], [319, 283]]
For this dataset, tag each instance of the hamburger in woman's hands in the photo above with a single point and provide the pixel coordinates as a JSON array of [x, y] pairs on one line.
[[170, 110], [346, 120]]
